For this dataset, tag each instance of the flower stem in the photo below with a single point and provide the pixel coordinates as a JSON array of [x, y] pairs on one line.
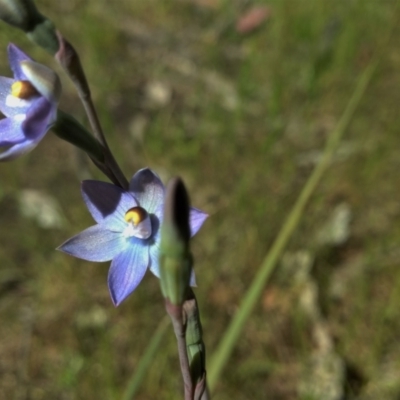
[[176, 315], [195, 346], [69, 60], [70, 130]]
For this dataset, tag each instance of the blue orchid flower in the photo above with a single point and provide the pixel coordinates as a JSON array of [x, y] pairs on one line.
[[29, 103], [127, 230]]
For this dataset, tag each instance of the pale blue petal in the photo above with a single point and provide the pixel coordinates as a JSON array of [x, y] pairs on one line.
[[154, 246], [53, 115], [148, 189], [196, 219], [155, 263], [11, 132], [18, 150], [15, 56], [37, 121], [107, 203], [159, 212], [5, 90], [193, 279], [127, 271], [95, 244], [24, 135], [154, 255], [10, 105]]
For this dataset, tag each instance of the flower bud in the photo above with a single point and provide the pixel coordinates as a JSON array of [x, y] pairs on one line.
[[175, 257], [22, 14]]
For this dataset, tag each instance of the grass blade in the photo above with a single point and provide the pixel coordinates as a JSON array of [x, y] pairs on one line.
[[229, 340], [146, 360]]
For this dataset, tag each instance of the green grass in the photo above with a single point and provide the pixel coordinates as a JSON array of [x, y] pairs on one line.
[[293, 78]]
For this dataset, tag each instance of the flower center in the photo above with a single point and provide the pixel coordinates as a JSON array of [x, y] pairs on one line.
[[139, 223], [23, 90]]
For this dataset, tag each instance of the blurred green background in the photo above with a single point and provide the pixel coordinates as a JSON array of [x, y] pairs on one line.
[[241, 113]]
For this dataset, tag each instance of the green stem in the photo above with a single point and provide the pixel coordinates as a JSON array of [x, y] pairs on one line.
[[70, 130], [229, 340]]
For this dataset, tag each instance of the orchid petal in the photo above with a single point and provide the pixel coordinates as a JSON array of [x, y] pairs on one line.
[[107, 203], [196, 219], [37, 121], [10, 105], [18, 150], [192, 281], [148, 189], [127, 271], [27, 118], [11, 132], [159, 213], [15, 56], [154, 246], [95, 244], [111, 239], [155, 255]]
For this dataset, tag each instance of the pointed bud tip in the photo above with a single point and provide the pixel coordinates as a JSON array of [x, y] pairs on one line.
[[176, 210]]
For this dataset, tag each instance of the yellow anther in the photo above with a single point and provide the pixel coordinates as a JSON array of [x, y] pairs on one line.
[[23, 89], [135, 215]]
